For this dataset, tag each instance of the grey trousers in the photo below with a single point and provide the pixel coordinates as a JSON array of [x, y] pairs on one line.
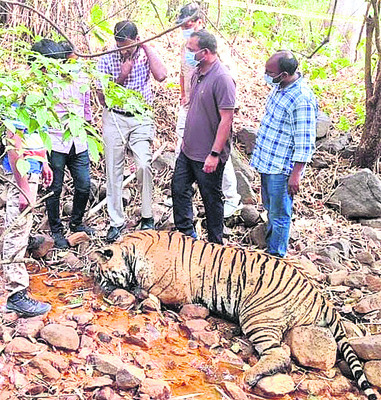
[[136, 134]]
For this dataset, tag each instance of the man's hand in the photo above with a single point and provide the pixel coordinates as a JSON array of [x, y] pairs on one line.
[[47, 175], [210, 164], [126, 67], [24, 202], [294, 179]]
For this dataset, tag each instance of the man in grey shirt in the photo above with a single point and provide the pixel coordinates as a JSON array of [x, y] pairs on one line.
[[206, 144]]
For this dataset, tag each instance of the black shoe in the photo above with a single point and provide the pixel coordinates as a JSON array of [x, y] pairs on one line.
[[34, 242], [22, 304], [82, 228], [147, 223], [60, 241], [114, 232]]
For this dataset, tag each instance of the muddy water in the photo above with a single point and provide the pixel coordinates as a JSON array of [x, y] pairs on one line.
[[188, 371]]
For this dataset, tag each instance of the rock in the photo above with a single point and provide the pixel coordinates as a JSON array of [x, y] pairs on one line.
[[373, 222], [106, 393], [78, 237], [102, 192], [355, 280], [18, 379], [332, 252], [73, 262], [60, 336], [372, 233], [67, 209], [367, 347], [250, 215], [195, 325], [244, 189], [234, 391], [313, 387], [47, 370], [344, 246], [29, 327], [312, 346], [308, 266], [143, 337], [129, 377], [373, 282], [227, 329], [100, 381], [247, 136], [123, 299], [35, 389], [226, 356], [323, 123], [333, 145], [3, 196], [319, 162], [194, 311], [55, 359], [275, 385], [165, 160], [83, 318], [6, 333], [337, 278], [104, 337], [209, 339], [368, 304], [43, 249], [351, 330], [240, 164], [341, 386], [20, 346], [372, 371], [156, 389], [258, 236], [358, 195], [364, 257], [105, 363], [151, 304]]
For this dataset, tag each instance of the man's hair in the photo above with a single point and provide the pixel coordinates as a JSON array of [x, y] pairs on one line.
[[67, 48], [187, 11], [287, 62], [48, 48], [206, 40], [125, 30]]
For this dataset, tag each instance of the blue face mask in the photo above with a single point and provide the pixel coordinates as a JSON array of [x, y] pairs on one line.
[[269, 80], [190, 58], [187, 33]]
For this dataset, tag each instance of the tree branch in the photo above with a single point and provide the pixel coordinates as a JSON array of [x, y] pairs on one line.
[[93, 55], [4, 178]]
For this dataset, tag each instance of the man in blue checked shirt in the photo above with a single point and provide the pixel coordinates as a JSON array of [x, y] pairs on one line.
[[285, 143]]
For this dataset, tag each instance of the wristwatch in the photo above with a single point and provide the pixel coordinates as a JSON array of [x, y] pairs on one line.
[[214, 153]]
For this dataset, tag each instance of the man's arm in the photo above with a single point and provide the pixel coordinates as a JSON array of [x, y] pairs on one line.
[[182, 90], [223, 133], [157, 67], [304, 121]]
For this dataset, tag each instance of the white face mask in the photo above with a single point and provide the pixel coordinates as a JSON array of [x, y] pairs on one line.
[[269, 80], [187, 33]]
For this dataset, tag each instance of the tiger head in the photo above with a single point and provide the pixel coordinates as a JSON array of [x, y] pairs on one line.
[[115, 264]]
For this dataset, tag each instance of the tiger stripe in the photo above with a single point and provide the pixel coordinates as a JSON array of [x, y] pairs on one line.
[[266, 295]]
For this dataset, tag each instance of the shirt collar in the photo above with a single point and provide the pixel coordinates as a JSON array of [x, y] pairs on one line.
[[212, 68]]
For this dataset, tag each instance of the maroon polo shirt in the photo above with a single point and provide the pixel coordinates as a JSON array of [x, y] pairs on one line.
[[210, 92]]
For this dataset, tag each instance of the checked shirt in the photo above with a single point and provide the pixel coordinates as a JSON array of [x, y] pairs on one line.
[[288, 129], [139, 77]]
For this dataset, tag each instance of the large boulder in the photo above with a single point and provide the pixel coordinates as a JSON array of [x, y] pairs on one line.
[[247, 136], [358, 195], [323, 123], [244, 188], [60, 336]]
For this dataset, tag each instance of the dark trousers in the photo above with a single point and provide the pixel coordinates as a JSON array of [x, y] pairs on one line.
[[186, 173], [79, 167]]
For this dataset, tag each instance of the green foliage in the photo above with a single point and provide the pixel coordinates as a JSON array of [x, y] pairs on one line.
[[99, 24]]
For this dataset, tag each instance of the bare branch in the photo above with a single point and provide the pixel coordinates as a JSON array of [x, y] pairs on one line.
[[4, 178]]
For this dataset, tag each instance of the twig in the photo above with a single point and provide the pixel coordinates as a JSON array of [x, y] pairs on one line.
[[18, 260], [4, 178], [161, 22], [100, 205], [93, 55], [23, 214]]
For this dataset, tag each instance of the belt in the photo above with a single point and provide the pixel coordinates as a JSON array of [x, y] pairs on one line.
[[125, 113]]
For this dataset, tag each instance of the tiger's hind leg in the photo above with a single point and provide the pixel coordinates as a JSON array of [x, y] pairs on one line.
[[273, 360]]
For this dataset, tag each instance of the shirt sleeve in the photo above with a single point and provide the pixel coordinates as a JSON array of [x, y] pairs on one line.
[[103, 67], [224, 92], [87, 107], [304, 124]]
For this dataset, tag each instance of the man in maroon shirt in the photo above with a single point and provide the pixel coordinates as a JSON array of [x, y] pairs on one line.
[[206, 144]]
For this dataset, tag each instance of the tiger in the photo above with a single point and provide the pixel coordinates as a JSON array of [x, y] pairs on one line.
[[266, 295]]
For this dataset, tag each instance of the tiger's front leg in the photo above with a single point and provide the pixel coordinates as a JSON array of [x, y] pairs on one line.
[[272, 361]]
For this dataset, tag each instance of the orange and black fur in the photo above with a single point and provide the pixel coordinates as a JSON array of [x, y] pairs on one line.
[[266, 295]]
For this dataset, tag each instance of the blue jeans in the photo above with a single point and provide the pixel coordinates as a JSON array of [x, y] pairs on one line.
[[186, 173], [278, 203], [79, 167]]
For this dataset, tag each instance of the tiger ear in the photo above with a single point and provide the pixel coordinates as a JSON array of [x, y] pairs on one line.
[[103, 255]]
